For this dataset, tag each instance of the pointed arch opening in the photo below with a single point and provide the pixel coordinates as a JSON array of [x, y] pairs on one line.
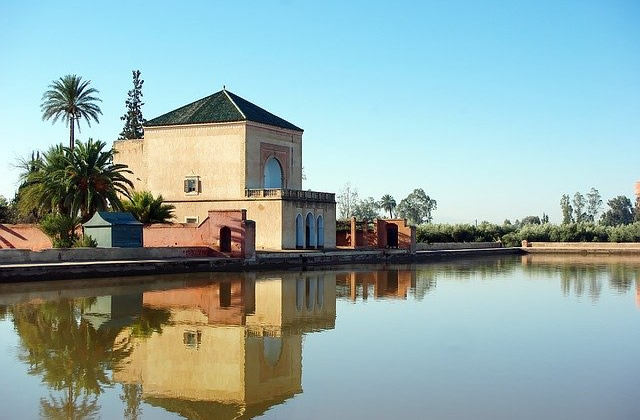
[[310, 231], [273, 174], [299, 232], [320, 232]]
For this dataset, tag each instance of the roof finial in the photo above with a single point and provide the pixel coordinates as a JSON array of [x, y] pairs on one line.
[[224, 87]]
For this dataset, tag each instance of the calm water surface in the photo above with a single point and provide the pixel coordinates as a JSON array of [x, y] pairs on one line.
[[510, 338]]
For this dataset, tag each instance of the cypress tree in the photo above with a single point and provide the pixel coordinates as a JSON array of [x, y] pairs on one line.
[[133, 119]]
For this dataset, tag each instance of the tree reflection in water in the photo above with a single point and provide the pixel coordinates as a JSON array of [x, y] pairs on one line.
[[72, 357]]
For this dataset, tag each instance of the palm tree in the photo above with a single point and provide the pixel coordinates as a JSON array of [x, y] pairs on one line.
[[388, 203], [69, 98], [81, 181], [148, 209], [95, 183], [43, 188]]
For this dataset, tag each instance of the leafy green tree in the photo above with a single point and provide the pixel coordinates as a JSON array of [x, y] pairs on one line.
[[417, 207], [5, 211], [567, 210], [594, 204], [70, 99], [579, 204], [531, 220], [147, 209], [366, 209], [346, 201], [620, 212], [636, 213], [545, 218], [388, 203], [133, 119]]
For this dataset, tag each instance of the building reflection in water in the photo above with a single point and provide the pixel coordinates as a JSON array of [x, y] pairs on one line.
[[228, 349], [393, 284]]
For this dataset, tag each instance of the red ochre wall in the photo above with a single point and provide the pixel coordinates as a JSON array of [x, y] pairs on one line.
[[377, 238], [23, 237], [206, 234]]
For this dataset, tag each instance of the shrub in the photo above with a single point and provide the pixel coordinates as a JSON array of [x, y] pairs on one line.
[[60, 229], [85, 242]]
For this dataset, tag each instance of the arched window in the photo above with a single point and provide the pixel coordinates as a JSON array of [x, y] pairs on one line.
[[299, 232], [320, 235], [310, 231], [273, 177]]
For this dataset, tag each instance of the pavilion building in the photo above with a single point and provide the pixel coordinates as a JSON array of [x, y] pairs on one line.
[[222, 152]]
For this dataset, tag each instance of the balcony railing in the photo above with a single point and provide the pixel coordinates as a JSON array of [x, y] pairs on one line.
[[282, 194]]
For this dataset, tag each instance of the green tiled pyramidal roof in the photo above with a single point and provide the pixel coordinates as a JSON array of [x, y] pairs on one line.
[[222, 106]]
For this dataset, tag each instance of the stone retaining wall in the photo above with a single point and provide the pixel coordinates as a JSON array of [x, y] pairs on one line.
[[25, 256], [582, 245], [457, 245]]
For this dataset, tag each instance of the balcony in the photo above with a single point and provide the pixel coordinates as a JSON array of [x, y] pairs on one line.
[[282, 194]]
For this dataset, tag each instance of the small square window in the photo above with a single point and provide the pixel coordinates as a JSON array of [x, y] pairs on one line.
[[192, 185]]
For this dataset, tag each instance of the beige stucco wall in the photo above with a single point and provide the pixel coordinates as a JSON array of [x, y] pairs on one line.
[[132, 153], [214, 152], [227, 159], [266, 213], [292, 140], [292, 208], [275, 219]]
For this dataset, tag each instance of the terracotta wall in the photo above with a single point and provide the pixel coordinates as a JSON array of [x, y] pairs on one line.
[[377, 237], [206, 233], [23, 237]]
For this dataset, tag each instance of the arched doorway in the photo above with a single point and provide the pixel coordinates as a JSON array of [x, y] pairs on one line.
[[299, 232], [273, 174], [392, 236], [310, 231], [320, 234], [225, 239]]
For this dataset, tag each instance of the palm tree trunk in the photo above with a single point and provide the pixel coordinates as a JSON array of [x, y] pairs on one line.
[[71, 132], [390, 214]]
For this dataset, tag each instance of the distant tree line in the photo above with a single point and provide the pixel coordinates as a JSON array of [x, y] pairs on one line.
[[513, 235], [417, 207]]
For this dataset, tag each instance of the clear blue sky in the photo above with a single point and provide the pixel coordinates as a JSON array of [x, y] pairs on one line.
[[495, 109]]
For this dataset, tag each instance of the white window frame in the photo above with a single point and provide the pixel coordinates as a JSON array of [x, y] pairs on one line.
[[196, 218]]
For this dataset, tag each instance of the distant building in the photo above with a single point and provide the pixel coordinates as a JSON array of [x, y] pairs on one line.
[[224, 153]]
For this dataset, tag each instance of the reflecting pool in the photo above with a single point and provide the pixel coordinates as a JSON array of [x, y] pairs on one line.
[[495, 338]]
